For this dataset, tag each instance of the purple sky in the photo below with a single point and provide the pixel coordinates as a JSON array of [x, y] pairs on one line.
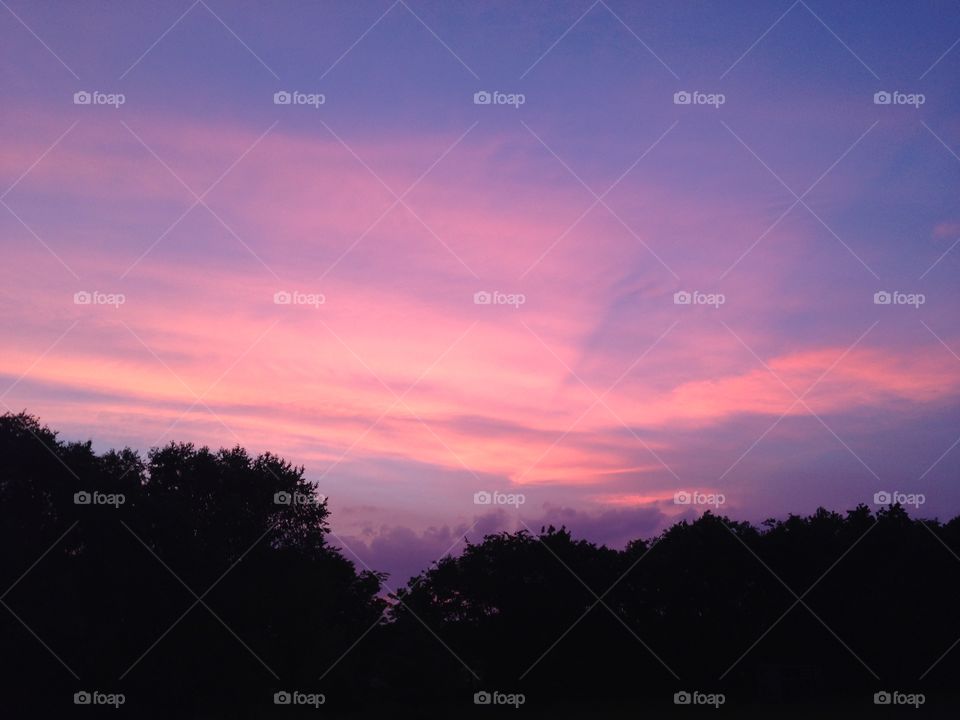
[[182, 198]]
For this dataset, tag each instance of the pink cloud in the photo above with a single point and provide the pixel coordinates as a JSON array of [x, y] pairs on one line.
[[505, 392]]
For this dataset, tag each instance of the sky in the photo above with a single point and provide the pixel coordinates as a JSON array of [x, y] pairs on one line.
[[609, 265]]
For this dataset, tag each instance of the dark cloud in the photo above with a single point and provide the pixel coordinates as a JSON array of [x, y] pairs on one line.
[[614, 527], [404, 553]]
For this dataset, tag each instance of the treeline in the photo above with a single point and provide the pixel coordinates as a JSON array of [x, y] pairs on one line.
[[200, 583]]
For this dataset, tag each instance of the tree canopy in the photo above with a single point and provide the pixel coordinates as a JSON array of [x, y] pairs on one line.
[[202, 582]]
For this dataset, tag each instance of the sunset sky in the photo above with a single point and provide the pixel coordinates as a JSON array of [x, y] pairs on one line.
[[793, 199]]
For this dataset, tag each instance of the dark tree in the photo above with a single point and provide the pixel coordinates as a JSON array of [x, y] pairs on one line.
[[198, 583], [112, 598]]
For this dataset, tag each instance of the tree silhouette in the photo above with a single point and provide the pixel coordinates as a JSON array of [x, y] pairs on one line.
[[123, 574], [199, 583]]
